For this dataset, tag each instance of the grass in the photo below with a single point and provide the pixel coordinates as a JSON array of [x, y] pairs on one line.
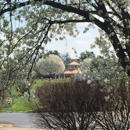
[[37, 83], [21, 104]]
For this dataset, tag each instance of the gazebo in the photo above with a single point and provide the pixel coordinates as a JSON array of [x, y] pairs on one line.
[[72, 69]]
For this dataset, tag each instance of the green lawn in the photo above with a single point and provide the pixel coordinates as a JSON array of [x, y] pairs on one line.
[[37, 83], [21, 104]]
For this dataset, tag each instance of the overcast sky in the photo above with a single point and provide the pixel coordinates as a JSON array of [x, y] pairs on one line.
[[81, 43]]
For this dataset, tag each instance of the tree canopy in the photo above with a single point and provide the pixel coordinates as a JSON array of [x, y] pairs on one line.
[[55, 52], [86, 54], [66, 58], [28, 25], [50, 65]]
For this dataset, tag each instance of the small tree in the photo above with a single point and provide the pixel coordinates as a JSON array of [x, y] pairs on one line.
[[50, 65]]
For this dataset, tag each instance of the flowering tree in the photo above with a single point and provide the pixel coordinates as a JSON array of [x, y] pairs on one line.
[[50, 65], [28, 25], [108, 72], [105, 68], [32, 23]]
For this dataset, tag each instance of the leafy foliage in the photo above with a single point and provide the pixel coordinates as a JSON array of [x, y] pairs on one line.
[[66, 58], [66, 105], [50, 65], [85, 55], [79, 106], [28, 25]]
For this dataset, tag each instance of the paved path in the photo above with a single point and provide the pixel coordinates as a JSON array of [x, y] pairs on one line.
[[26, 120], [18, 128], [21, 121]]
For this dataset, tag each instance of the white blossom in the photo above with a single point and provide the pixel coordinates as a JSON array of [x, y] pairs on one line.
[[25, 30], [49, 65], [89, 81]]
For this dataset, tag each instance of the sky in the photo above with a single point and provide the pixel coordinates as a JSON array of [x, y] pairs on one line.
[[81, 43]]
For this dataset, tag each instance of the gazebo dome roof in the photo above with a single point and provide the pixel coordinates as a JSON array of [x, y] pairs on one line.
[[74, 63]]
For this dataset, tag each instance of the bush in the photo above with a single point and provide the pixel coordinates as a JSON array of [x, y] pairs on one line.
[[115, 113], [67, 105], [78, 106]]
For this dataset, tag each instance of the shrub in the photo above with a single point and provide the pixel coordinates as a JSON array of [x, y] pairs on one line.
[[67, 105], [116, 111], [79, 106]]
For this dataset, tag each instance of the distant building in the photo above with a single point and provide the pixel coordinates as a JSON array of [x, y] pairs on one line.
[[72, 69]]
